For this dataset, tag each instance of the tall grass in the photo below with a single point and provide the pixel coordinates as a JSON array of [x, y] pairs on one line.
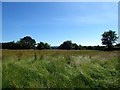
[[60, 69]]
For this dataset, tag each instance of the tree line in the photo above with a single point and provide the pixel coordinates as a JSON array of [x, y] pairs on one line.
[[108, 39]]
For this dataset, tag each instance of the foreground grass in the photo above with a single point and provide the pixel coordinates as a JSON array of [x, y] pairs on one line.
[[60, 69]]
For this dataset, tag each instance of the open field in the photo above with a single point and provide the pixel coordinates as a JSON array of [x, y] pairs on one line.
[[60, 69]]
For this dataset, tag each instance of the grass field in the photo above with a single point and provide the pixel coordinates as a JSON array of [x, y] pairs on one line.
[[60, 69]]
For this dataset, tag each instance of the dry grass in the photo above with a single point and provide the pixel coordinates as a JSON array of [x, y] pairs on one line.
[[60, 69]]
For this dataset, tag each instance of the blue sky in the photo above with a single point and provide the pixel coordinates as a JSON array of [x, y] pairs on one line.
[[51, 22]]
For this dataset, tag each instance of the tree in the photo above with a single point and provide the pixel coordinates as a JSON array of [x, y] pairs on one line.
[[118, 45], [80, 47], [109, 38], [9, 45], [66, 45], [43, 45], [27, 43], [97, 47], [40, 45], [0, 45], [89, 47], [75, 46], [47, 46]]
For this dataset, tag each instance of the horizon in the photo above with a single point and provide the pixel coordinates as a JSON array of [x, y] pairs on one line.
[[82, 23]]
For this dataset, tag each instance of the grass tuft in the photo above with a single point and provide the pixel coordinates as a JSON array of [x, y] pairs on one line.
[[60, 69]]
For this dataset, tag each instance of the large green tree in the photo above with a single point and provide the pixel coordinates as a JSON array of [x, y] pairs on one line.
[[43, 45], [66, 45], [27, 43], [109, 38], [75, 46]]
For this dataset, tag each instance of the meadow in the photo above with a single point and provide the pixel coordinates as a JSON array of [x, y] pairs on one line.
[[60, 69]]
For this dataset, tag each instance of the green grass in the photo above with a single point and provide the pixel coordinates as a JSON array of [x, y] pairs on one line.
[[60, 69]]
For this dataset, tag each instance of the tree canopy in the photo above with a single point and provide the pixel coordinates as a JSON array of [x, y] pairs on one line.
[[43, 45], [66, 45], [27, 43], [109, 38]]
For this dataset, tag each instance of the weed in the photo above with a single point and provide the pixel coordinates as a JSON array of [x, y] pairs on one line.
[[60, 69], [19, 55], [68, 58], [35, 56]]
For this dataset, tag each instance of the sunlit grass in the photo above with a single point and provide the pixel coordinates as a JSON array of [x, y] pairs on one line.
[[60, 69]]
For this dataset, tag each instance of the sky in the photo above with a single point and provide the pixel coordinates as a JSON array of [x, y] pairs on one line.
[[56, 22]]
